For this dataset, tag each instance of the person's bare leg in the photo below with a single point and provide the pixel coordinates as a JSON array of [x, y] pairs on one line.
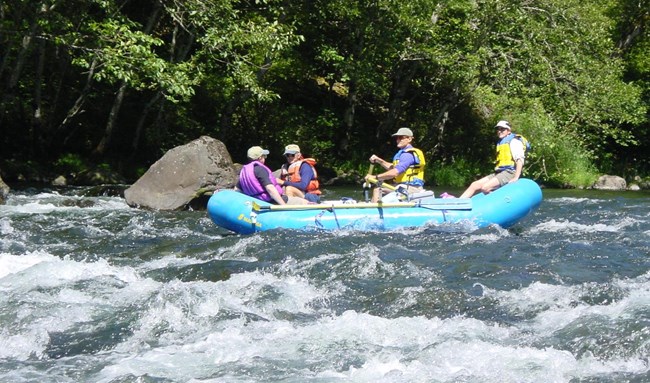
[[491, 185], [296, 201], [475, 187], [291, 191], [375, 195]]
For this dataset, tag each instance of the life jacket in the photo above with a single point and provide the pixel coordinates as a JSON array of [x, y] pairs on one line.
[[504, 159], [414, 174], [251, 186], [293, 175]]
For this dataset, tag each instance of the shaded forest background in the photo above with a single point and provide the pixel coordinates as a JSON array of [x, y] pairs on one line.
[[115, 84]]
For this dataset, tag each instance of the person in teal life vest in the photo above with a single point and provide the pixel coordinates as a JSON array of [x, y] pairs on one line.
[[406, 170], [257, 180], [511, 151], [298, 175]]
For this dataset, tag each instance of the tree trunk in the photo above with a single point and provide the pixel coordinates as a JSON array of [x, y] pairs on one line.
[[140, 126], [135, 143], [76, 108], [634, 26], [112, 119], [401, 82], [239, 98], [21, 59], [119, 98], [439, 123], [36, 129], [348, 118]]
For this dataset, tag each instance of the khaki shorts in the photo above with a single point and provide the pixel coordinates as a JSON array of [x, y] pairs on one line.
[[410, 189], [503, 176]]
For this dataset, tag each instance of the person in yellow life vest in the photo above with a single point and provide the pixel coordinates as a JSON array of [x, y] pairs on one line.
[[406, 170], [298, 175], [510, 151]]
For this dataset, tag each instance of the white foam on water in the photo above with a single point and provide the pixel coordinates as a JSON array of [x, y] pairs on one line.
[[565, 226], [472, 361], [45, 203], [533, 298], [355, 347], [168, 261], [5, 227], [492, 237], [41, 297], [180, 321], [291, 265], [11, 263], [240, 249], [573, 201], [110, 204], [30, 208], [558, 308], [181, 332]]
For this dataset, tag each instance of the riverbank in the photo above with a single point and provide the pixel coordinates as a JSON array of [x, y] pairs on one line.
[[101, 180]]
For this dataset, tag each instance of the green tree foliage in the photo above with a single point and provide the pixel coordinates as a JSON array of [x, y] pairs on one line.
[[550, 68], [125, 81], [630, 34], [158, 53]]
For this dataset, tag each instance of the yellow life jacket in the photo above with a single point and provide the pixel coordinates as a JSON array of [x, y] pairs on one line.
[[504, 159], [414, 174]]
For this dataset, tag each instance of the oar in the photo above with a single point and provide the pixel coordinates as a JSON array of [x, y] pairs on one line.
[[438, 204], [375, 181], [366, 185]]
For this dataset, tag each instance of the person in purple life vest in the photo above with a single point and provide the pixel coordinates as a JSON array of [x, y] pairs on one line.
[[257, 180]]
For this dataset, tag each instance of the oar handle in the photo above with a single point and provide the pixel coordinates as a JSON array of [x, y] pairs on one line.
[[366, 185], [374, 180]]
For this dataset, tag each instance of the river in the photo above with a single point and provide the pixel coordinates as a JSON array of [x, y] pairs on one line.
[[94, 291]]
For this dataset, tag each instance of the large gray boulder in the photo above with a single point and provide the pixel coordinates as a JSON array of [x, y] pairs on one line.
[[4, 191], [607, 182], [183, 174]]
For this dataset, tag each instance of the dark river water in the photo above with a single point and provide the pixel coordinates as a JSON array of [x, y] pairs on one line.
[[94, 291]]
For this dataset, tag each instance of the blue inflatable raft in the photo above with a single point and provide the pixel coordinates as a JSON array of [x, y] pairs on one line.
[[504, 207]]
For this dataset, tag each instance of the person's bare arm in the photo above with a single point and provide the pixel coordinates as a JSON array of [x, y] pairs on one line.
[[519, 165], [273, 192], [383, 163]]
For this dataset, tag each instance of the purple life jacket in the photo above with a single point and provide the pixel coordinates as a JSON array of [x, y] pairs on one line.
[[251, 186]]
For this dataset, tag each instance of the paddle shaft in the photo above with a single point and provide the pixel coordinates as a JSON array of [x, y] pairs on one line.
[[381, 184], [455, 204]]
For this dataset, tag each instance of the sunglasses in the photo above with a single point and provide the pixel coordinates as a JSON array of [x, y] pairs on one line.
[[501, 129], [289, 155]]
